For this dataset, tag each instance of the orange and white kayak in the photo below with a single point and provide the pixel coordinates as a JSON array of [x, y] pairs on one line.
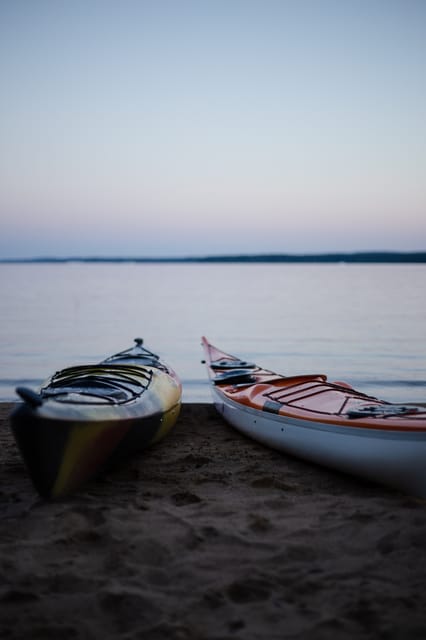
[[328, 423]]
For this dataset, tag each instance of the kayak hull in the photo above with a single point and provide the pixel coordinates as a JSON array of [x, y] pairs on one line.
[[394, 455], [65, 444]]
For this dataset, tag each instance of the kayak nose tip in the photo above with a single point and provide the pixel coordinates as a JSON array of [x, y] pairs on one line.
[[30, 397]]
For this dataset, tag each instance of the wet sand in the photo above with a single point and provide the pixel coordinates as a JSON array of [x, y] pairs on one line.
[[209, 535]]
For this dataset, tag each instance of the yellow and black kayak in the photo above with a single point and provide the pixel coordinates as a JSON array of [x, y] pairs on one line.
[[90, 417]]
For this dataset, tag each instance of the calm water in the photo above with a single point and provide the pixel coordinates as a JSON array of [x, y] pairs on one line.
[[361, 323]]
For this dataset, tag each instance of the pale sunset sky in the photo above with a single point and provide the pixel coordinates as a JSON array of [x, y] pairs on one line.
[[203, 127]]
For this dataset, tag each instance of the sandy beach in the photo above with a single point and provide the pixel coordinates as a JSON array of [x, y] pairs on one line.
[[209, 535]]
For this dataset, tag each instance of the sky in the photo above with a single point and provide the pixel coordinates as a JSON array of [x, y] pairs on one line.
[[157, 128]]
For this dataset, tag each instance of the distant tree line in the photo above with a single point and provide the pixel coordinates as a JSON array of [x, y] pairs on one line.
[[360, 257]]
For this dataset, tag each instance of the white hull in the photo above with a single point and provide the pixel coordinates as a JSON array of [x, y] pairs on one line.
[[394, 458]]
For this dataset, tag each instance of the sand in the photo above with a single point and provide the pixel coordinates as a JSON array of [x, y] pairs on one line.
[[209, 535]]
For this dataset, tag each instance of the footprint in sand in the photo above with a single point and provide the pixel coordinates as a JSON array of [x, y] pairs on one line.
[[185, 497], [259, 524], [195, 460], [251, 590]]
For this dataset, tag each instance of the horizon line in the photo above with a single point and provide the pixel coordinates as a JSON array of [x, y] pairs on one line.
[[358, 256]]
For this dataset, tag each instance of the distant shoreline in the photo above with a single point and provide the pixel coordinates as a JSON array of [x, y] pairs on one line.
[[383, 257]]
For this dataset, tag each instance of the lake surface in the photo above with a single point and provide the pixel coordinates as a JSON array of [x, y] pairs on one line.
[[365, 324]]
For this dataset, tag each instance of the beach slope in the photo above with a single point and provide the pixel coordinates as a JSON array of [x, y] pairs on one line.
[[209, 535]]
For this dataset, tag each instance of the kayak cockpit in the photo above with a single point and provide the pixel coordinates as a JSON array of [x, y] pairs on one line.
[[98, 384]]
